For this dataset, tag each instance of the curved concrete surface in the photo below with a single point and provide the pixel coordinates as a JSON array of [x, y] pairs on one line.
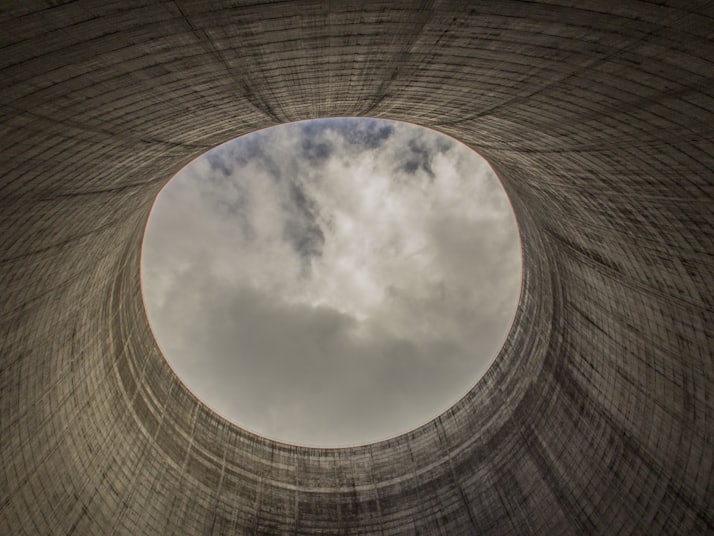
[[598, 415]]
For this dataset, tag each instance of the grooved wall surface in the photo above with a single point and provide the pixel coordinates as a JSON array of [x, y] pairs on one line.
[[597, 416]]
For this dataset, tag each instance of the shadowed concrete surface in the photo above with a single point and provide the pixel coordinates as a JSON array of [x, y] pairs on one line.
[[598, 414]]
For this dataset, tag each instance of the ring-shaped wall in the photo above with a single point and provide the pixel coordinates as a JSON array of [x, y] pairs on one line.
[[595, 417]]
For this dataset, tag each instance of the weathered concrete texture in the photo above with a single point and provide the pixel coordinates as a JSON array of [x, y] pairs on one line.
[[598, 415]]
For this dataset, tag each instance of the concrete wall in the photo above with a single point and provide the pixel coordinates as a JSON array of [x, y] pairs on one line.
[[598, 415]]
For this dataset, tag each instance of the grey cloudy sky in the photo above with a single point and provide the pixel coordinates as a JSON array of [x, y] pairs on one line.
[[332, 282]]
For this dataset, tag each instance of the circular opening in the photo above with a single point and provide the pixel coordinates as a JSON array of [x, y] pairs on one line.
[[332, 282]]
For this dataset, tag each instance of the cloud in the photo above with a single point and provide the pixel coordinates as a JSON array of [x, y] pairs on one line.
[[332, 282], [302, 227]]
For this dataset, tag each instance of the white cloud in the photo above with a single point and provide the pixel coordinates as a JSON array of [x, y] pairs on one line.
[[332, 282]]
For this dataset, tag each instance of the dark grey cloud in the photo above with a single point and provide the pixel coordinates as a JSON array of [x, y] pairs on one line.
[[419, 158], [365, 134], [423, 147], [218, 163], [314, 151], [312, 284], [302, 228]]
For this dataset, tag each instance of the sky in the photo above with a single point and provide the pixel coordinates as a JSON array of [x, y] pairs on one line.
[[332, 282]]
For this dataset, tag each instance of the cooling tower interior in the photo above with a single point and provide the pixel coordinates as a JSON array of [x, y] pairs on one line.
[[597, 416]]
